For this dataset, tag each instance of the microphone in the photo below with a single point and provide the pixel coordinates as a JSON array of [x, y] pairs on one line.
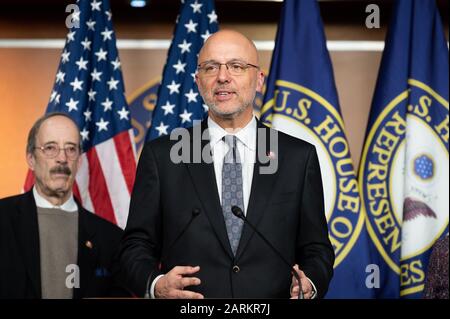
[[237, 211], [195, 213]]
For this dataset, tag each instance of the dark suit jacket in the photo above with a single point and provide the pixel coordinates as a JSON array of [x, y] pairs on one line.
[[286, 207], [19, 250]]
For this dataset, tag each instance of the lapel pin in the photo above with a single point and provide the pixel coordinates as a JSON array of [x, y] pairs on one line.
[[89, 244]]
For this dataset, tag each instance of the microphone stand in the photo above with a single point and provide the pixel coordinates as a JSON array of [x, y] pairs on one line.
[[237, 211]]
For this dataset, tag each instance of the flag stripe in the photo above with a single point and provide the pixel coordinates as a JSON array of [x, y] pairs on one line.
[[133, 145], [29, 181], [101, 199], [116, 183], [82, 181], [125, 154]]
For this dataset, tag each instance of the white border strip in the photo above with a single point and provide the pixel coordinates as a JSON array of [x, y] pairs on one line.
[[31, 43], [377, 46], [163, 44]]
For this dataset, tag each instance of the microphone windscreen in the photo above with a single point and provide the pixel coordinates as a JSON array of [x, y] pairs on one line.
[[237, 211]]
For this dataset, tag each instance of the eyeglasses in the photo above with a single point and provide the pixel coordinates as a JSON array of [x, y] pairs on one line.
[[212, 68], [53, 150]]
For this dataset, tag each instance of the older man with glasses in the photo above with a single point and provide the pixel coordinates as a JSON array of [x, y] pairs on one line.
[[50, 246]]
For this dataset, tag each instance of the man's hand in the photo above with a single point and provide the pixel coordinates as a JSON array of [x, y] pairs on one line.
[[171, 285], [306, 285]]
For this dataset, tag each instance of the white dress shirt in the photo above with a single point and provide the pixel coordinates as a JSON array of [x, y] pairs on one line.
[[69, 206]]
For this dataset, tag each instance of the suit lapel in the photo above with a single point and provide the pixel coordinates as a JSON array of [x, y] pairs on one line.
[[261, 190], [204, 180], [28, 238], [87, 253]]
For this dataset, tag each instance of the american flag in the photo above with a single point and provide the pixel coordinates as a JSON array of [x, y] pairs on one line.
[[179, 102], [89, 88]]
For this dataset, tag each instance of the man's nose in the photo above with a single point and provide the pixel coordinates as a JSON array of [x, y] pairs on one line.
[[223, 75], [62, 157]]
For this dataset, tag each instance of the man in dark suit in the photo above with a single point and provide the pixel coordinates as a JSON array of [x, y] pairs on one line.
[[182, 240], [50, 246]]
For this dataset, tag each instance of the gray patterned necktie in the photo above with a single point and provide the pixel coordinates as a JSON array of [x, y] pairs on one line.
[[232, 194]]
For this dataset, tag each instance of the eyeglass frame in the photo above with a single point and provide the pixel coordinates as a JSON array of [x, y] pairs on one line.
[[247, 66], [77, 147]]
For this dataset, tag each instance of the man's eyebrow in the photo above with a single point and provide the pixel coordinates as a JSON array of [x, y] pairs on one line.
[[208, 61], [231, 60], [50, 142], [236, 60], [54, 142]]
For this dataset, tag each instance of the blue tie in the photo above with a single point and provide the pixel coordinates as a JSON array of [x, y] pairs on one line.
[[232, 194]]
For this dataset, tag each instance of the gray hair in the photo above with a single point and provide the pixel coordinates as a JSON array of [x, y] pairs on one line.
[[31, 142]]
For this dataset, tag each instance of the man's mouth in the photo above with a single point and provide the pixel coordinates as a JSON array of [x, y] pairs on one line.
[[223, 95]]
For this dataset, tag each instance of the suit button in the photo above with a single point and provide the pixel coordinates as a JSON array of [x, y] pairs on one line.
[[196, 212], [236, 269]]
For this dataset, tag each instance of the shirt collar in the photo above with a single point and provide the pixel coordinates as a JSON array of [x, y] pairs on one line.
[[69, 206], [246, 135]]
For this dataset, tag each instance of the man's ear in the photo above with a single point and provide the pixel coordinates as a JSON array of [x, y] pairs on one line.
[[197, 81], [196, 78], [260, 82], [31, 161]]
